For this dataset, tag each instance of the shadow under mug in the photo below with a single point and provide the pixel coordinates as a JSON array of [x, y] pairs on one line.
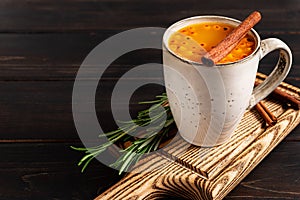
[[208, 102]]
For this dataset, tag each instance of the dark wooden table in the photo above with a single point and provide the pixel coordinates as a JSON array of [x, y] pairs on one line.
[[42, 44]]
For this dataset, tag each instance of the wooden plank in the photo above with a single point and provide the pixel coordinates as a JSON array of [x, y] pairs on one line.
[[52, 173], [53, 57], [211, 177], [36, 171], [43, 16], [43, 110], [260, 185], [29, 60]]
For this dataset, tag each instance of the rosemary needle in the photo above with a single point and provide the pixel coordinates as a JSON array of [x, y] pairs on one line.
[[138, 146]]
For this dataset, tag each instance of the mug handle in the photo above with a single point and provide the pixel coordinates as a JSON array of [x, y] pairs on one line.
[[278, 74]]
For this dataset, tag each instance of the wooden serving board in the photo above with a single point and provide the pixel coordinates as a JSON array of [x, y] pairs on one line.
[[190, 172]]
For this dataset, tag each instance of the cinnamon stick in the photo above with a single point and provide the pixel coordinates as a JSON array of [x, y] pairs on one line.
[[266, 114], [295, 103], [228, 44]]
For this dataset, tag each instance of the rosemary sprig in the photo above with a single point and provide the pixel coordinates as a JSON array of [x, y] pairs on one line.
[[152, 137]]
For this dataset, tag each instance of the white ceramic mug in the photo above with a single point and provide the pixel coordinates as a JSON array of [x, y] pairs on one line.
[[208, 102]]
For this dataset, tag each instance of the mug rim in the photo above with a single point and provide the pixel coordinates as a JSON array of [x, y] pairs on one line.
[[180, 22]]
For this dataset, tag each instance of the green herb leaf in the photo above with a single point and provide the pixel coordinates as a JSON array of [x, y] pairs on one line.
[[139, 146]]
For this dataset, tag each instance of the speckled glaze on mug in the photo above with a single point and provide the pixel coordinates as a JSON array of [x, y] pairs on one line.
[[208, 102]]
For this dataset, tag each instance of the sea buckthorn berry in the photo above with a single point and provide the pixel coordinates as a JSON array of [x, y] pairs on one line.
[[192, 41], [217, 27], [249, 49], [173, 47], [230, 55], [181, 48], [178, 37], [249, 44], [189, 53], [206, 26]]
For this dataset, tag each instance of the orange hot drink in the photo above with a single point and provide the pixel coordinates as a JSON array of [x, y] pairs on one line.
[[192, 41]]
